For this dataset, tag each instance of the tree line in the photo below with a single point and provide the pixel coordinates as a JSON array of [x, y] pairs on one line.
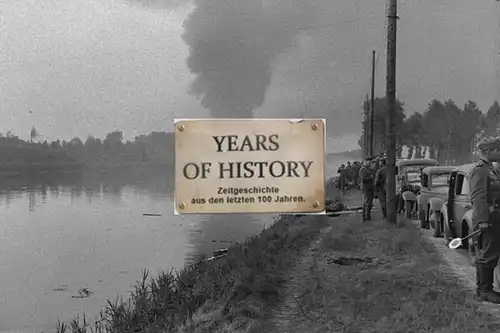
[[156, 148], [444, 131]]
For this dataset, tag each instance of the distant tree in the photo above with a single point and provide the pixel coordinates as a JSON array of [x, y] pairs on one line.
[[114, 138], [76, 143], [470, 126], [411, 136], [379, 126], [55, 144], [491, 120], [441, 124]]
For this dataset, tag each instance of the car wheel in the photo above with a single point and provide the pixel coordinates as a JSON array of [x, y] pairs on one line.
[[426, 220], [448, 236], [421, 216], [408, 209], [437, 229]]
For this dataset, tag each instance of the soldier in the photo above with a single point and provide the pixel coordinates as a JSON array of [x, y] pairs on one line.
[[380, 178], [375, 166], [355, 174], [341, 172], [348, 172], [484, 188], [366, 180]]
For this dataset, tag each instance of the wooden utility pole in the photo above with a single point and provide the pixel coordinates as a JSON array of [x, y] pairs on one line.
[[391, 113], [364, 129], [372, 104]]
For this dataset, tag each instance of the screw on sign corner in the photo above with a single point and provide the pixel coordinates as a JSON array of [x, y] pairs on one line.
[[316, 204], [314, 127], [182, 205], [181, 128]]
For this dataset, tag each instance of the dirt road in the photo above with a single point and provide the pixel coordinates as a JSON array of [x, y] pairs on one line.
[[412, 282], [458, 264]]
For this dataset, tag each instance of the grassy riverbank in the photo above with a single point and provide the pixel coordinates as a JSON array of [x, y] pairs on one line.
[[221, 296], [398, 283]]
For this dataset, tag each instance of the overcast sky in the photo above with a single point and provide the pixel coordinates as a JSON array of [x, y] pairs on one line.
[[93, 66]]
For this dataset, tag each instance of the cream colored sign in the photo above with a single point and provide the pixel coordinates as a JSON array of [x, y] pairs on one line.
[[249, 166]]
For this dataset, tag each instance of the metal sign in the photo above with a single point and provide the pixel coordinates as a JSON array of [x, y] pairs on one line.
[[249, 166]]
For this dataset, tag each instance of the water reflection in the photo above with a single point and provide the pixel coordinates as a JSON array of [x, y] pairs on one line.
[[207, 233], [77, 185], [43, 193], [31, 200]]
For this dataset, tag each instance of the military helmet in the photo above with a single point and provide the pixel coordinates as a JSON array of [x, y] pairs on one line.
[[368, 158], [489, 143]]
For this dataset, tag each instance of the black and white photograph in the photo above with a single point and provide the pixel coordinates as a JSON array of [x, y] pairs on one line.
[[239, 166]]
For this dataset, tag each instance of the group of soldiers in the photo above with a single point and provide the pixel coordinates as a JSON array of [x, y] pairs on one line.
[[369, 177], [348, 175], [372, 177]]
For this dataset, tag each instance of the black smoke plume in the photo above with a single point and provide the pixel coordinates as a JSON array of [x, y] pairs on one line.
[[233, 45]]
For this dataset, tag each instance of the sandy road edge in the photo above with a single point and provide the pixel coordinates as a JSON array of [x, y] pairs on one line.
[[457, 266]]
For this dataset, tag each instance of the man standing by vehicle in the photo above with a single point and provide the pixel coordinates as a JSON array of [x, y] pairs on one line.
[[380, 178], [366, 183], [484, 189]]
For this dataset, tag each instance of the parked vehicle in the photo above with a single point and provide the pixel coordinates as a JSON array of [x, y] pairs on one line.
[[409, 170], [408, 182], [456, 212], [433, 194]]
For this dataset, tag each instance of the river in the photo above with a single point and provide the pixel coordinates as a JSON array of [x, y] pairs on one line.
[[57, 237], [60, 234]]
